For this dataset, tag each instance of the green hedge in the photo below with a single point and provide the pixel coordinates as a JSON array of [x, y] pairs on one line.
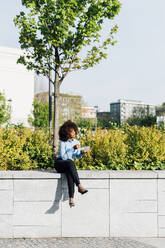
[[126, 148], [24, 149]]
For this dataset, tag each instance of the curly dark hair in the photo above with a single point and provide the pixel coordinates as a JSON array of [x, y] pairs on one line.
[[64, 131]]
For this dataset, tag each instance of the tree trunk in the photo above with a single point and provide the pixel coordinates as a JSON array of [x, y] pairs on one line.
[[56, 114], [50, 108], [56, 120]]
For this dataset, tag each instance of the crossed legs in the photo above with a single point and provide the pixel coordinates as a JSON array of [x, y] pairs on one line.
[[68, 167]]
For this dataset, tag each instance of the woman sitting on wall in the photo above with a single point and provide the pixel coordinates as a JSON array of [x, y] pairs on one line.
[[69, 150]]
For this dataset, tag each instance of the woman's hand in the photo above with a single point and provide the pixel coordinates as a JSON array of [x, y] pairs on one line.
[[76, 146], [83, 151]]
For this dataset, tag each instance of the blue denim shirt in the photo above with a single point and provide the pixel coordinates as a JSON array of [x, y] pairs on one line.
[[67, 151]]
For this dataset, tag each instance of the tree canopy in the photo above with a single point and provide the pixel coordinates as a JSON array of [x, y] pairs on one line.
[[68, 25], [39, 118]]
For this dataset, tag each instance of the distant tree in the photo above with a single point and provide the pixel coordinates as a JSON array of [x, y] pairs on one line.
[[106, 123], [160, 110], [106, 120], [53, 34], [86, 123], [142, 121], [4, 109], [40, 117]]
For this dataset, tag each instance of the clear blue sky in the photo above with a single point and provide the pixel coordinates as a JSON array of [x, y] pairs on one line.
[[135, 68]]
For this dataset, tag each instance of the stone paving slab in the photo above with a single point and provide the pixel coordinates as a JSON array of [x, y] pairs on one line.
[[74, 243]]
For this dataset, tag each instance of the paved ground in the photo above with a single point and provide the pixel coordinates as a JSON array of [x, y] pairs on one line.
[[84, 243]]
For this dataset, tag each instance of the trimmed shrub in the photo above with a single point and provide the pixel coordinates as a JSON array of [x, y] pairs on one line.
[[24, 149], [128, 148]]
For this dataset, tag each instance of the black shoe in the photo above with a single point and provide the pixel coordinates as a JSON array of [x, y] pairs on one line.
[[82, 192], [71, 204]]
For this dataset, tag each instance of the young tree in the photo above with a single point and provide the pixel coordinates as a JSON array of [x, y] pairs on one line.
[[39, 118], [147, 121], [54, 32], [160, 110], [86, 123], [4, 109]]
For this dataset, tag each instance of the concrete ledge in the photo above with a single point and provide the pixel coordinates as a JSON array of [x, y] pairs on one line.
[[161, 174], [95, 174], [36, 174], [6, 174], [118, 204], [133, 174]]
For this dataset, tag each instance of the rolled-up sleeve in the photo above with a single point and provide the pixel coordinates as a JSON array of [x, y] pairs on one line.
[[77, 153], [65, 153]]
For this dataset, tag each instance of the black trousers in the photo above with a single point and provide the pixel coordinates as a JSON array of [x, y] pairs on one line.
[[68, 167]]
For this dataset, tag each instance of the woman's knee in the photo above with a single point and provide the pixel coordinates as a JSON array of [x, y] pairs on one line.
[[70, 163]]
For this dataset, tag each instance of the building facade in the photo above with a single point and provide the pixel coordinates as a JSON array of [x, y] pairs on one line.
[[17, 84], [123, 109], [70, 105], [88, 112]]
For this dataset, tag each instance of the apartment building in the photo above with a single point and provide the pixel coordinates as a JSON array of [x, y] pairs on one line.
[[123, 109]]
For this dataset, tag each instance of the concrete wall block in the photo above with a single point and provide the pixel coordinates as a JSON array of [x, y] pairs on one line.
[[133, 224], [95, 183], [37, 190], [161, 225], [28, 219], [35, 208], [89, 217], [134, 188], [37, 219], [6, 184], [141, 206], [6, 204], [161, 221], [133, 210], [161, 206], [161, 196], [6, 226], [36, 231], [161, 233]]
